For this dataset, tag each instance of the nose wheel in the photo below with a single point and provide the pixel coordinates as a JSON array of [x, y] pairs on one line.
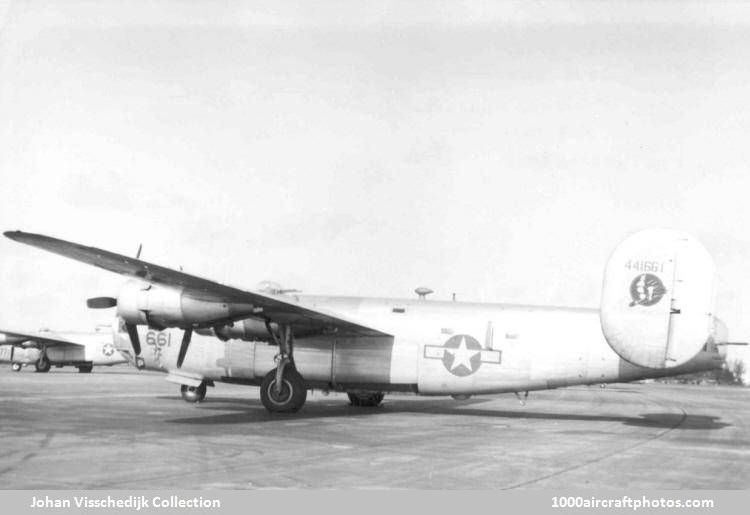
[[193, 393]]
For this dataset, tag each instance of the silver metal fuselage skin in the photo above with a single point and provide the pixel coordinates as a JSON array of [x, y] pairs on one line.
[[436, 348]]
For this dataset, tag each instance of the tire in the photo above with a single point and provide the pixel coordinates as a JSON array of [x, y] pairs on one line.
[[193, 393], [292, 396], [43, 365], [85, 369], [365, 399], [16, 367]]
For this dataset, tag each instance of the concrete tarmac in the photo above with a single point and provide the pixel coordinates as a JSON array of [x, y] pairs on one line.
[[118, 428]]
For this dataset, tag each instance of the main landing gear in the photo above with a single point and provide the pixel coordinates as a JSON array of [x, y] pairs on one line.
[[16, 367], [365, 399], [283, 390], [43, 364]]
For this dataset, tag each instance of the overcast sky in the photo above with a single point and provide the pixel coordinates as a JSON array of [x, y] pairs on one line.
[[497, 150]]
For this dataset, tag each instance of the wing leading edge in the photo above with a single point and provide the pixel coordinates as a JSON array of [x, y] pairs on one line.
[[48, 339], [277, 308]]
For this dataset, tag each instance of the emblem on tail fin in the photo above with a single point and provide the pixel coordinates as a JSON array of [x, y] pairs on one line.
[[646, 290]]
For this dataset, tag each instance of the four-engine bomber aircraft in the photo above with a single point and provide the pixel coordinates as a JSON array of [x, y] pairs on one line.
[[45, 348], [655, 319]]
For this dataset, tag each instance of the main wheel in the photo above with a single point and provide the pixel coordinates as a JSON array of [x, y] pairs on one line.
[[292, 395], [43, 365], [365, 399], [15, 367], [193, 393], [85, 369]]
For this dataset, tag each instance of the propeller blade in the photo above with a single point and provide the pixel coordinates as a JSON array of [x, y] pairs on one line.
[[101, 302], [184, 346], [133, 333]]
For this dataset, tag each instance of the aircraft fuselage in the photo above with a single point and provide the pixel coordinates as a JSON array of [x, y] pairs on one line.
[[436, 348]]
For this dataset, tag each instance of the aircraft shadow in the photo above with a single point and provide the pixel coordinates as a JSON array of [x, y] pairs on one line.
[[252, 411]]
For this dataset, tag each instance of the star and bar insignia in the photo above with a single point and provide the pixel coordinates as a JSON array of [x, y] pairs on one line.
[[462, 355]]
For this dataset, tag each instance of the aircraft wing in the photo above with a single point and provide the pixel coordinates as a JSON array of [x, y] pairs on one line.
[[48, 339], [277, 308]]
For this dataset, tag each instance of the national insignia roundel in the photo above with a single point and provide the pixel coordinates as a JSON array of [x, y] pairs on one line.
[[462, 355]]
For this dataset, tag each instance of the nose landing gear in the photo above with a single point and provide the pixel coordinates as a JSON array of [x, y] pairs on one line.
[[193, 393]]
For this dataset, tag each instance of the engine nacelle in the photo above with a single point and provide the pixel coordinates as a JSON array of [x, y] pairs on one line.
[[160, 306], [249, 329], [12, 340], [657, 299]]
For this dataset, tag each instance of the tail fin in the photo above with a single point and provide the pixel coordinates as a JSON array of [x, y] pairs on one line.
[[657, 299]]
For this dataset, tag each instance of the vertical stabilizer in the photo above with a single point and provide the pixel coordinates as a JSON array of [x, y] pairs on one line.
[[657, 299]]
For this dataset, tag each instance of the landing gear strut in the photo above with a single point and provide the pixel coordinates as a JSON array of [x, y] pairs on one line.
[[193, 393], [283, 390]]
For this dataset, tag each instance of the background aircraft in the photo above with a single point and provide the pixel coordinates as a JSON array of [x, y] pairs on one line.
[[656, 319], [45, 348]]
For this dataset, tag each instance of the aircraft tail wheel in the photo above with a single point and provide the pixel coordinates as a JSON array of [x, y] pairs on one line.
[[292, 394], [193, 393], [85, 369], [43, 365], [140, 363], [365, 399], [15, 367]]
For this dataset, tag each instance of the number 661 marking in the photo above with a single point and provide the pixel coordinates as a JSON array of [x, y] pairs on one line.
[[158, 339]]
